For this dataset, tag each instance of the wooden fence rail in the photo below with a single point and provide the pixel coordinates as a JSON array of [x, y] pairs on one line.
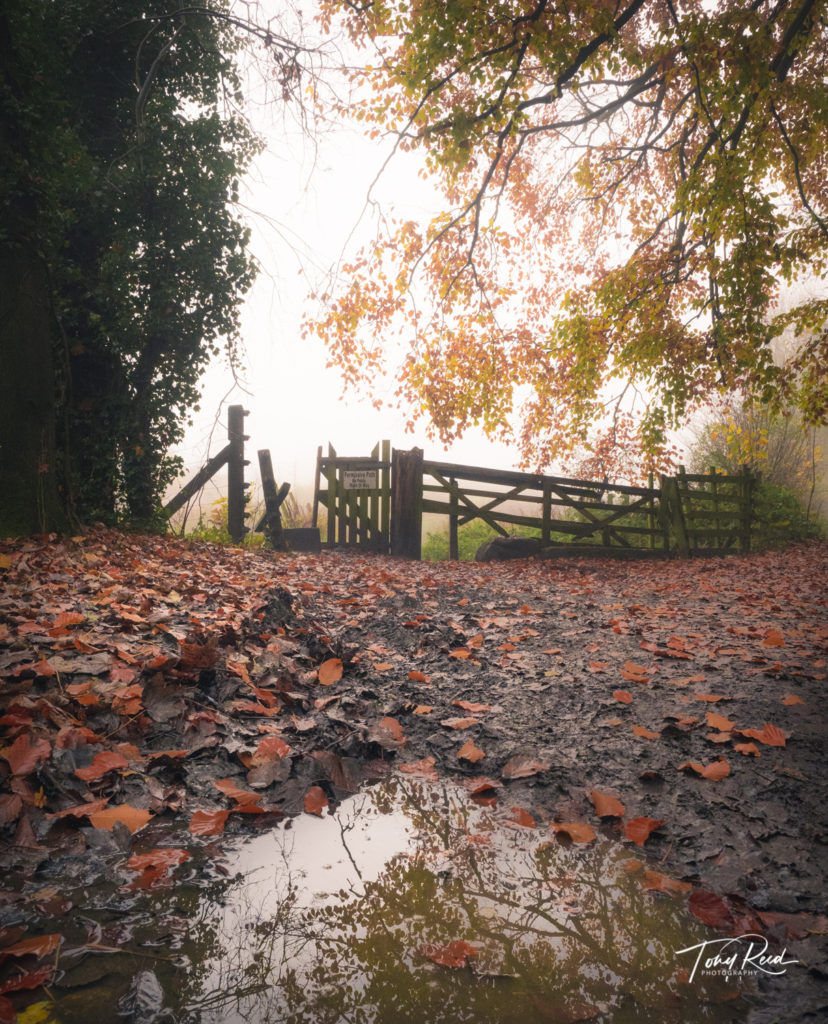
[[689, 514]]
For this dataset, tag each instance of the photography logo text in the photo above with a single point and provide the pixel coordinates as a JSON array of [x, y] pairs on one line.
[[741, 955]]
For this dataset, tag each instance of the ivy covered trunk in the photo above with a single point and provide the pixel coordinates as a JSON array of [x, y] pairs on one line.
[[30, 497]]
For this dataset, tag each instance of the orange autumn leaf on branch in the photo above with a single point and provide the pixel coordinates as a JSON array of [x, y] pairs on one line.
[[647, 265]]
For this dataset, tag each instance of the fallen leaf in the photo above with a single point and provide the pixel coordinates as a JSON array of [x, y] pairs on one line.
[[39, 946], [711, 698], [69, 619], [719, 722], [639, 829], [460, 652], [105, 761], [315, 800], [655, 881], [80, 810], [710, 909], [521, 817], [393, 726], [453, 954], [133, 817], [480, 784], [646, 734], [423, 709], [166, 857], [418, 677], [522, 766], [623, 696], [23, 755], [747, 749], [208, 823], [468, 705], [714, 771], [577, 831], [424, 768], [26, 982], [791, 699], [459, 723], [769, 734], [241, 796], [469, 752], [607, 806], [598, 666], [330, 671], [774, 638]]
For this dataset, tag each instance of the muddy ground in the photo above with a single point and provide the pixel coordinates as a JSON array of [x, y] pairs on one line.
[[189, 664]]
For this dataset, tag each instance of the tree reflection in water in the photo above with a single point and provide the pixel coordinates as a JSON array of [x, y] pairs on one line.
[[329, 917]]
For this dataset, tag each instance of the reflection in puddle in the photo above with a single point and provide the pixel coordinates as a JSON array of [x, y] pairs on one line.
[[332, 920]]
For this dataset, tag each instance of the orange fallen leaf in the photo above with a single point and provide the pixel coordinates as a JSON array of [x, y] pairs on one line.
[[133, 817], [423, 768], [208, 823], [635, 673], [639, 829], [241, 796], [646, 734], [460, 652], [607, 806], [24, 755], [623, 696], [714, 771], [469, 752], [577, 831], [655, 881], [69, 619], [774, 638], [719, 722], [684, 680], [747, 749], [453, 954], [769, 734], [330, 671], [166, 857], [418, 677], [39, 946], [315, 800], [423, 709], [598, 666], [521, 767], [105, 761], [468, 705], [711, 698], [520, 816], [459, 723], [393, 726], [791, 699]]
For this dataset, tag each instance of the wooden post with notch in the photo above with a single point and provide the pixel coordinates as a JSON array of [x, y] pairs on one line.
[[454, 545], [272, 519], [236, 486], [407, 503]]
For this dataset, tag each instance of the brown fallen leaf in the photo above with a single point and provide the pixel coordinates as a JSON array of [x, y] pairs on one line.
[[639, 829], [418, 677], [459, 723], [105, 761], [711, 698], [520, 816], [208, 823], [577, 831], [452, 954], [623, 696], [330, 671], [646, 734], [714, 771], [791, 699], [315, 800], [719, 722], [133, 817], [468, 705], [710, 909], [521, 766], [747, 749], [769, 734], [469, 752], [424, 768], [241, 796], [607, 806], [656, 882]]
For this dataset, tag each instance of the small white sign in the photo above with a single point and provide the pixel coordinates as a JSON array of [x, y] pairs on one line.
[[359, 479]]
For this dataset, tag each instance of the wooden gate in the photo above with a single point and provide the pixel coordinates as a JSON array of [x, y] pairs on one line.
[[356, 493]]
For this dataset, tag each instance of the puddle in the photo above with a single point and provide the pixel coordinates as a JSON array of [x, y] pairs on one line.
[[332, 920]]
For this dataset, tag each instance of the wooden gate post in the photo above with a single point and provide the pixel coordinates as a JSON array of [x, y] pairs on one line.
[[407, 503], [272, 518], [236, 487]]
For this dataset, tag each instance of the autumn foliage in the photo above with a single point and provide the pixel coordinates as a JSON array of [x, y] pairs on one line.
[[625, 192]]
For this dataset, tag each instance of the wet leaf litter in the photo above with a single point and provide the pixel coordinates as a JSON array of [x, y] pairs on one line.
[[149, 683]]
